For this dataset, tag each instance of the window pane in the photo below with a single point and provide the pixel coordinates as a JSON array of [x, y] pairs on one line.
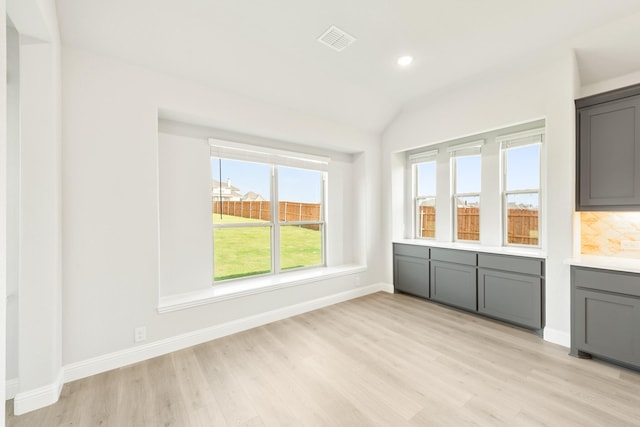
[[426, 217], [468, 218], [244, 191], [468, 174], [240, 252], [300, 246], [523, 168], [426, 179], [522, 218], [299, 194]]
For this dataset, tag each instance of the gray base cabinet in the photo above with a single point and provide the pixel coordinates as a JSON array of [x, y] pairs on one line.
[[605, 316], [454, 284], [511, 288], [504, 287], [515, 298], [411, 269]]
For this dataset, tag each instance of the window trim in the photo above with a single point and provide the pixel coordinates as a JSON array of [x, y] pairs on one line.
[[517, 140]]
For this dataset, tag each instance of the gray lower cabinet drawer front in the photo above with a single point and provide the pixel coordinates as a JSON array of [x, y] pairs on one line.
[[618, 282], [411, 275], [453, 255], [512, 263], [453, 284], [411, 250], [512, 297], [609, 325]]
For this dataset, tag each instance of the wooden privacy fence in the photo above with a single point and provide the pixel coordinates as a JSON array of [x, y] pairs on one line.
[[468, 223], [261, 210], [522, 224]]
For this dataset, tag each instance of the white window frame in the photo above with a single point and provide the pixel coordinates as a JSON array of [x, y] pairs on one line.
[[516, 140], [457, 151], [415, 160], [274, 158]]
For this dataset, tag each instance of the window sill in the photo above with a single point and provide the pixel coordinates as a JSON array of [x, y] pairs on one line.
[[255, 285]]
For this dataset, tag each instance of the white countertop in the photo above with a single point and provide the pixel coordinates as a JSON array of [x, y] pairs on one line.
[[501, 250], [606, 263]]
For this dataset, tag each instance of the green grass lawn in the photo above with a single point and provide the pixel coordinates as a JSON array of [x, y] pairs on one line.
[[239, 252]]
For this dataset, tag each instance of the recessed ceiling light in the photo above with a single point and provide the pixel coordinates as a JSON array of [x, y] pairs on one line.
[[404, 61]]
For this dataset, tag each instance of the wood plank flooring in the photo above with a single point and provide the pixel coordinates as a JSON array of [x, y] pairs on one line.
[[380, 360]]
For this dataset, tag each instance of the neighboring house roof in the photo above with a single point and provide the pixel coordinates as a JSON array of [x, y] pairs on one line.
[[523, 206], [252, 196]]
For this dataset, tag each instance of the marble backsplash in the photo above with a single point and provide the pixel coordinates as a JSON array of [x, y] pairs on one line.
[[615, 234]]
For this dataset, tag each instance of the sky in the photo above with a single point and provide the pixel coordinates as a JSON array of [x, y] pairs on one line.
[[294, 185], [301, 185], [523, 173]]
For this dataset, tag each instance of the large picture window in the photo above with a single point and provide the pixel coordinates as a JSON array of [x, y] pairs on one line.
[[466, 167], [521, 187], [424, 193], [267, 211]]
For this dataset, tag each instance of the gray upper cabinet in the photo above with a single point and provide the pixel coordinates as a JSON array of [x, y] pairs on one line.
[[608, 151], [411, 269]]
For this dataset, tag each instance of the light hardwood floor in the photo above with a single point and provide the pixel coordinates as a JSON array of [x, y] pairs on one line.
[[388, 360]]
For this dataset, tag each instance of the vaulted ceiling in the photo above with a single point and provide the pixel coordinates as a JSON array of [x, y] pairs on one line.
[[268, 49]]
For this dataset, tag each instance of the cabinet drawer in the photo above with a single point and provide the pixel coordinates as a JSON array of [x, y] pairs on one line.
[[607, 325], [618, 282], [411, 250], [514, 264], [453, 255], [512, 297]]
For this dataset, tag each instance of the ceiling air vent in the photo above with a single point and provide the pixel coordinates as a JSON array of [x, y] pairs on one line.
[[336, 39]]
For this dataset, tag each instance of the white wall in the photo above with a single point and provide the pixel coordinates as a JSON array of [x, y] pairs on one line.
[[13, 200], [3, 210], [543, 90], [184, 181], [38, 203], [110, 200]]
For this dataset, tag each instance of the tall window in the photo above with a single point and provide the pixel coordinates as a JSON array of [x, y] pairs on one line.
[[466, 167], [521, 187], [300, 195], [424, 193], [267, 211]]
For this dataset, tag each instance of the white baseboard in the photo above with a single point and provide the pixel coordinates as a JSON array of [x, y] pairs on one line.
[[96, 365], [386, 287], [557, 337], [12, 387], [38, 398]]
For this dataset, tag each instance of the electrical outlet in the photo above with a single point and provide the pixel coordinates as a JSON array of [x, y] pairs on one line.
[[140, 334]]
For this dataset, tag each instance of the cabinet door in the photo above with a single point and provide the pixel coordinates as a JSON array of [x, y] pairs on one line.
[[454, 284], [609, 155], [512, 297], [411, 275], [607, 325]]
